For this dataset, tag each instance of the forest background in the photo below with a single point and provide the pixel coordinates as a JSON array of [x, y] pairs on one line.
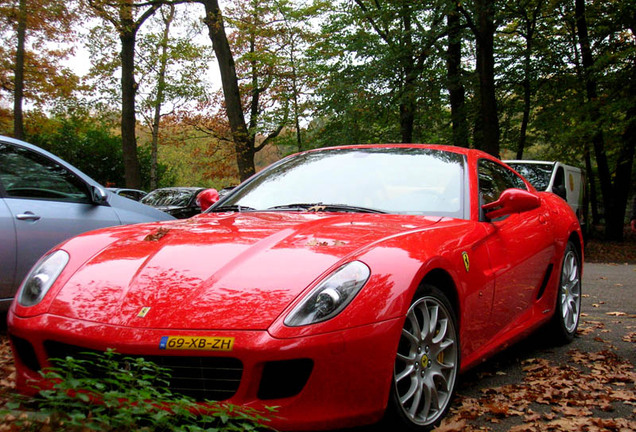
[[149, 93]]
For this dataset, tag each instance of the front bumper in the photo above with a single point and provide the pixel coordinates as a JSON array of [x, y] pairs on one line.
[[348, 383]]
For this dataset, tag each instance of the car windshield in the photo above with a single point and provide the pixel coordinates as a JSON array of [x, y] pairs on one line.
[[384, 179], [168, 197], [537, 174]]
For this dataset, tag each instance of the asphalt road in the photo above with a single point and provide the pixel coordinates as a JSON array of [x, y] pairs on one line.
[[536, 386], [608, 325]]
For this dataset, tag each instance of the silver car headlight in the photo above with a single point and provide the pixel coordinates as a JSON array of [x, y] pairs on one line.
[[42, 277], [330, 296]]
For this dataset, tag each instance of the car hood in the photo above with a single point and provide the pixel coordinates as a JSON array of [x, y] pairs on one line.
[[131, 212], [218, 271]]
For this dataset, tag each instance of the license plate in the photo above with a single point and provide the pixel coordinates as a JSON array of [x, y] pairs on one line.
[[197, 343]]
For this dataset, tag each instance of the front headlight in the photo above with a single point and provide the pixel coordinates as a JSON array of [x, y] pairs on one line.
[[41, 278], [330, 296]]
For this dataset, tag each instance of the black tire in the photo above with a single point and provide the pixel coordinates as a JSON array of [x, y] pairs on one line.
[[567, 313], [426, 364]]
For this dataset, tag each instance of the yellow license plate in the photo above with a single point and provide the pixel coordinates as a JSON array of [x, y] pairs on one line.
[[197, 343]]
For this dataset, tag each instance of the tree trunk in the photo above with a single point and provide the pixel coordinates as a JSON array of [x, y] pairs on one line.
[[455, 87], [161, 82], [299, 141], [591, 181], [527, 93], [242, 144], [614, 197], [408, 97], [407, 109], [622, 179], [18, 117], [487, 122], [127, 35]]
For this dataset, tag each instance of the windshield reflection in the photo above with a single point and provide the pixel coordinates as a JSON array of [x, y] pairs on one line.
[[392, 180]]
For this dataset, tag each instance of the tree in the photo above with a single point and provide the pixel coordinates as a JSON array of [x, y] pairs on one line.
[[259, 73], [523, 19], [401, 26], [127, 17], [36, 33], [456, 90], [383, 71], [170, 72], [481, 21], [614, 192], [216, 29]]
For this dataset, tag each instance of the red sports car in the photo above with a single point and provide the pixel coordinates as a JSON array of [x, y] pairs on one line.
[[342, 285]]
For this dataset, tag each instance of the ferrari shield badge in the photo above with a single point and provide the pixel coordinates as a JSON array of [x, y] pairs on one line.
[[466, 261], [143, 312]]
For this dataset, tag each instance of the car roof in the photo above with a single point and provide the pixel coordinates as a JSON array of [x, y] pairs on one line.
[[440, 147]]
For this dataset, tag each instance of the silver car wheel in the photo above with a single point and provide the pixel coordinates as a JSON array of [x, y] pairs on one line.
[[427, 361], [570, 291]]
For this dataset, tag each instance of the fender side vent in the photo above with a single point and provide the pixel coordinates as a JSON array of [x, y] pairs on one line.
[[546, 278]]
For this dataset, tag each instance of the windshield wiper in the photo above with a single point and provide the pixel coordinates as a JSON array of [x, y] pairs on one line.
[[231, 208], [317, 207]]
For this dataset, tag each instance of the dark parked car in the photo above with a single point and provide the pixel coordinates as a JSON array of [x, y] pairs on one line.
[[43, 201], [133, 194], [180, 202]]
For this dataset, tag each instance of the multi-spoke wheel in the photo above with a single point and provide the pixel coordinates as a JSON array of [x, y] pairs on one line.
[[568, 307], [427, 362]]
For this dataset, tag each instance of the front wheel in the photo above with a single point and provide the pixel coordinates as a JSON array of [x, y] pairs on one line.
[[426, 364], [568, 308]]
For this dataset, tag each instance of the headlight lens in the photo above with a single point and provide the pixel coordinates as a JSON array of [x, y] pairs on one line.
[[41, 278], [330, 296]]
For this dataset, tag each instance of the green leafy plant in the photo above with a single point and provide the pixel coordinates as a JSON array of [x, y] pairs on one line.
[[111, 392]]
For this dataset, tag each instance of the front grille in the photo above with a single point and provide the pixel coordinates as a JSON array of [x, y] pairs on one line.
[[202, 378]]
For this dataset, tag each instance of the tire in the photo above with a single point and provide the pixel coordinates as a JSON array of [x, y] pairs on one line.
[[568, 305], [426, 364]]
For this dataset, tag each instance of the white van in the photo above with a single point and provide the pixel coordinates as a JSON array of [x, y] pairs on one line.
[[564, 180]]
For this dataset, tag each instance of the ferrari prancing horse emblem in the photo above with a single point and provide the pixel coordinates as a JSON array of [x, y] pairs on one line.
[[466, 261], [143, 312]]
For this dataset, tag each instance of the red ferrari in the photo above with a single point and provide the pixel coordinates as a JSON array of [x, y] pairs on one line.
[[344, 285]]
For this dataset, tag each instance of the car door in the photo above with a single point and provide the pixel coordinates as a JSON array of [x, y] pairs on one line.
[[520, 247], [7, 248], [44, 203]]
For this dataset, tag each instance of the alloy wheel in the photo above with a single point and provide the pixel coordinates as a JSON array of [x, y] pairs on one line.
[[427, 361]]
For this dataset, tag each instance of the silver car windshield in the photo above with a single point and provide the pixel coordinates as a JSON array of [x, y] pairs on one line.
[[390, 180]]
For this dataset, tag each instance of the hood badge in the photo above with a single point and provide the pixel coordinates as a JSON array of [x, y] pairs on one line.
[[143, 312]]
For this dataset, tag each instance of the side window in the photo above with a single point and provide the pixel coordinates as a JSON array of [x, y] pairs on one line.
[[26, 174], [494, 179], [559, 183]]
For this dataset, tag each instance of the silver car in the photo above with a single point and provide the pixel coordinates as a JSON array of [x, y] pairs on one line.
[[44, 200]]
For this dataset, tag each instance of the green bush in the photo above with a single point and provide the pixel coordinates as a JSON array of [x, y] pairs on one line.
[[93, 148], [110, 392]]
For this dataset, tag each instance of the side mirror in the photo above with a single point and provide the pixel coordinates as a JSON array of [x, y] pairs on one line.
[[511, 201], [98, 195], [206, 198], [560, 191]]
